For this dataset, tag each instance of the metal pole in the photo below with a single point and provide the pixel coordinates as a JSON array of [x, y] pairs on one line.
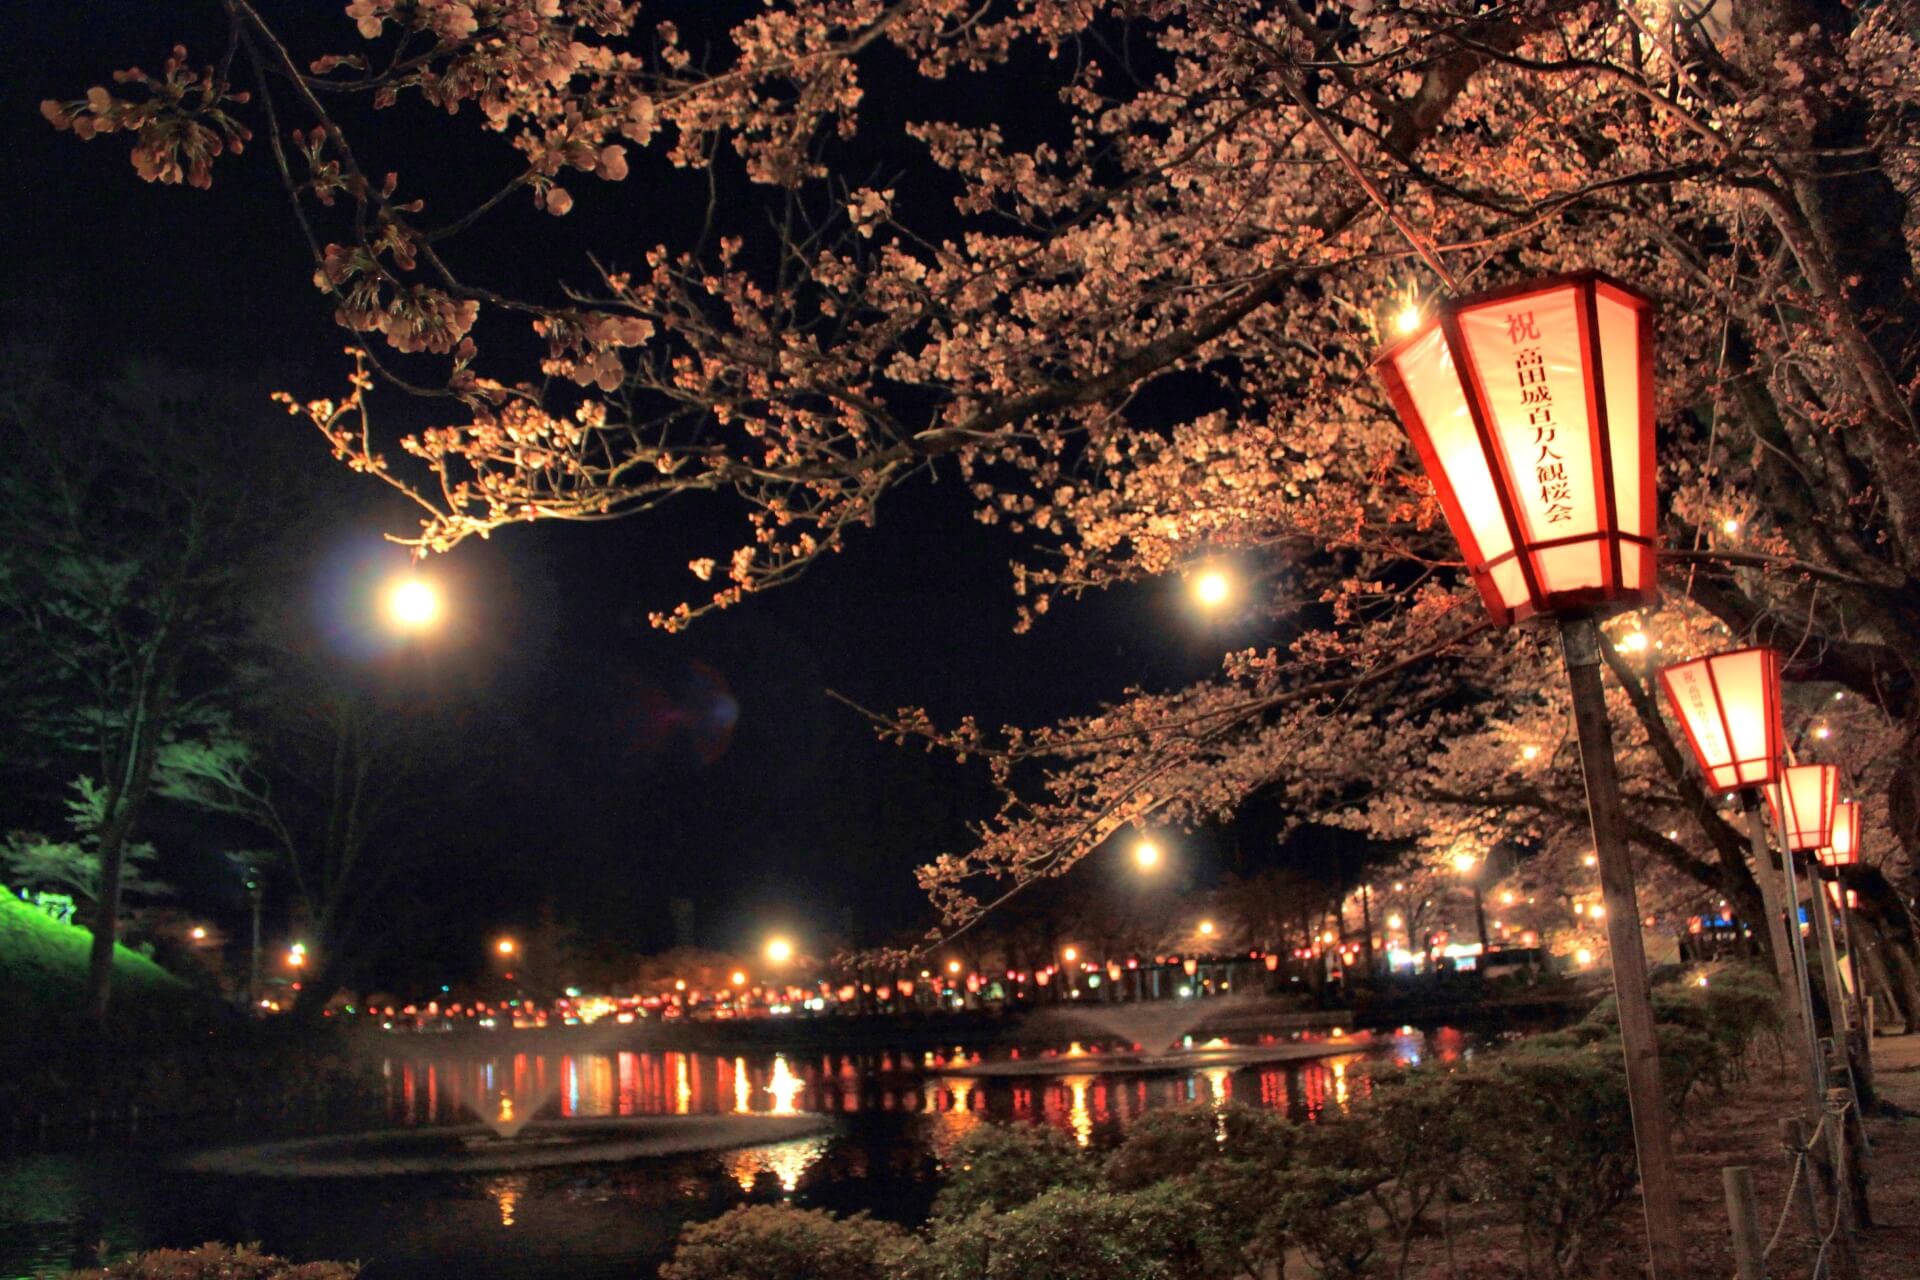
[[1798, 1017], [1580, 641]]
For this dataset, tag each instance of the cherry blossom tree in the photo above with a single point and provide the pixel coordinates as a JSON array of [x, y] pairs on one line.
[[1127, 285]]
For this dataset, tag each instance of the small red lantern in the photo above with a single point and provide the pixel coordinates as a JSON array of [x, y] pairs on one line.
[[1113, 971], [1532, 410], [1729, 705], [1843, 848], [1273, 962], [1191, 966], [1803, 803]]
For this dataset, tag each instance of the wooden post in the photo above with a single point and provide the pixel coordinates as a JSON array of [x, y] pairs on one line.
[[1837, 998], [1780, 916], [1580, 641], [1749, 1256]]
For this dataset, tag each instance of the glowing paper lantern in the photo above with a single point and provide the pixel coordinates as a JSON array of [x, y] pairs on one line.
[[1273, 962], [1729, 705], [1803, 803], [1191, 966], [1843, 847], [1532, 410]]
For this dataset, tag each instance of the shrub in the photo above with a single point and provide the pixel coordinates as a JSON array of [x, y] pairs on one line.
[[775, 1242], [1162, 1233], [1003, 1166], [1414, 1132], [218, 1262], [1176, 1140], [1552, 1141]]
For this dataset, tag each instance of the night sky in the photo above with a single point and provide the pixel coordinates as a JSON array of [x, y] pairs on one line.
[[627, 766]]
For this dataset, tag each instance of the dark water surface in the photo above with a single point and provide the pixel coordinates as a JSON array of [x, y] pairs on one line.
[[896, 1117]]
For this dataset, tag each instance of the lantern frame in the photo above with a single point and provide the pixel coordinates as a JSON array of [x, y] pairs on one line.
[[1742, 768], [1802, 802], [1614, 592]]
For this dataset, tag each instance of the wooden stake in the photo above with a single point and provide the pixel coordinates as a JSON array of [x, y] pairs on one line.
[[1749, 1256]]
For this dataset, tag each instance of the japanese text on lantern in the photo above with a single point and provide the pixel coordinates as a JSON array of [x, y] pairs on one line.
[[1536, 397]]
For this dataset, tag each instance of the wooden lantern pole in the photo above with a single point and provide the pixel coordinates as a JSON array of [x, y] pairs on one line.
[[1580, 642]]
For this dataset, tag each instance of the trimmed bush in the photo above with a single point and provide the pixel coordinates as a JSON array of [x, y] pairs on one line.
[[774, 1242], [1162, 1233], [217, 1262], [1001, 1167]]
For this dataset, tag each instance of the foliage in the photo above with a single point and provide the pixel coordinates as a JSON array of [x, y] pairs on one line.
[[217, 1262], [1414, 1136], [1552, 1143], [36, 860], [1127, 286], [774, 1242], [1165, 1232], [1002, 1167]]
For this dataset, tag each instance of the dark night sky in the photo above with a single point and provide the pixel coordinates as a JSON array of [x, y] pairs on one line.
[[606, 799]]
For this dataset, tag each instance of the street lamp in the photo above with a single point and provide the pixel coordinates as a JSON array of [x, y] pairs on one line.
[[1212, 588], [506, 946], [779, 950], [412, 603], [1146, 855], [1532, 409], [1803, 803], [1729, 705]]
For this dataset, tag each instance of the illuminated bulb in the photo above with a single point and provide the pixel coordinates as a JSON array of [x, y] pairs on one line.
[[1071, 953], [413, 603], [1506, 898], [1823, 733], [953, 966], [1592, 859], [1147, 855], [1634, 642], [1597, 911], [1583, 957], [1212, 588], [1394, 921], [1673, 835], [1407, 319], [1730, 526], [779, 950], [1529, 753], [739, 978], [199, 933], [1463, 862], [504, 946], [1579, 908], [1206, 927]]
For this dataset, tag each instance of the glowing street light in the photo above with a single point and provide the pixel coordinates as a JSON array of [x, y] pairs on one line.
[[1146, 855], [779, 950], [198, 933], [1212, 588], [297, 954], [1206, 928], [1070, 954], [412, 603], [1407, 319], [1464, 863], [1532, 410], [506, 946], [739, 978], [953, 966]]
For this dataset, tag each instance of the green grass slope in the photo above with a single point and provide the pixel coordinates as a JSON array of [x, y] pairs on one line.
[[43, 966]]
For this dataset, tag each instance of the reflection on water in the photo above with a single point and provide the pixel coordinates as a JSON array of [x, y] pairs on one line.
[[900, 1119]]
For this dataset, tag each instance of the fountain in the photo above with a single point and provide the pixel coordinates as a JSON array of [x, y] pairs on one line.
[[510, 1135], [1161, 1036]]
